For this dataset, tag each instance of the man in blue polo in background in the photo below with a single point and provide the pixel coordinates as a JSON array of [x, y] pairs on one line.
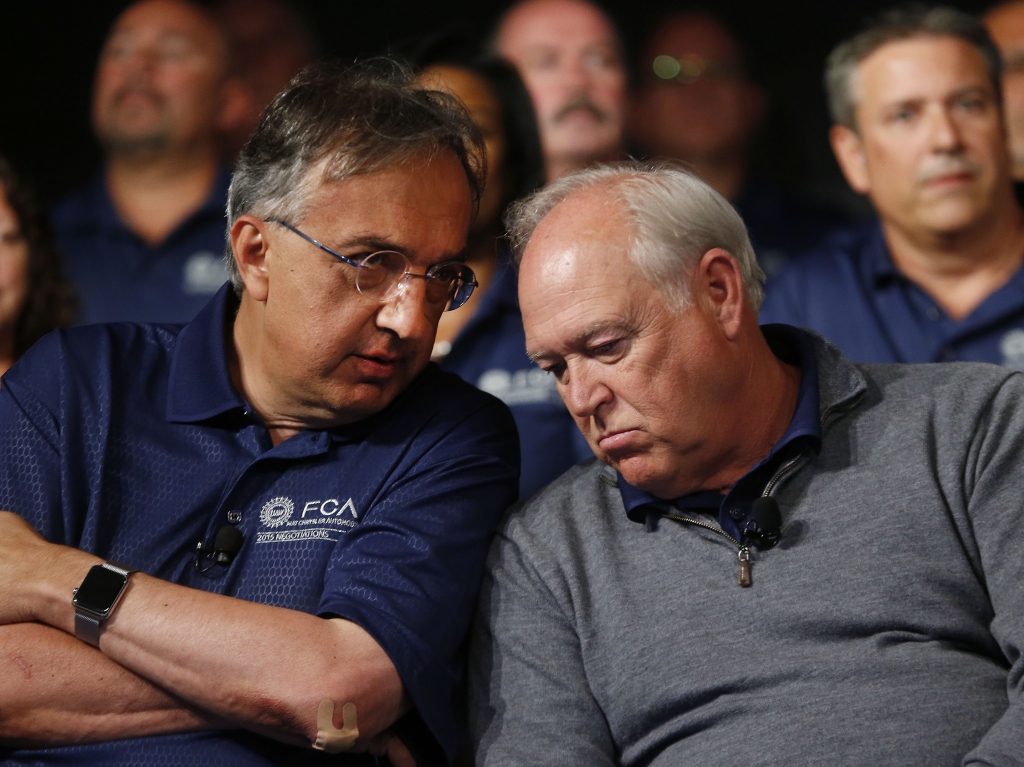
[[919, 129], [274, 518], [143, 240]]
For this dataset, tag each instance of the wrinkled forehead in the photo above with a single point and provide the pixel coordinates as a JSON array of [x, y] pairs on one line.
[[556, 24]]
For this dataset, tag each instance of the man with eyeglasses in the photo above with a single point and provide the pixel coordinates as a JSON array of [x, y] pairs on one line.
[[263, 532], [696, 103]]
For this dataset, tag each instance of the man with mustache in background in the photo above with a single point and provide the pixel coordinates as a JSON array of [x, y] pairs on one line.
[[144, 240], [919, 129], [570, 57]]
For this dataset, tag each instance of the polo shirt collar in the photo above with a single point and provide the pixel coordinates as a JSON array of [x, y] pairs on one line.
[[199, 385], [795, 347]]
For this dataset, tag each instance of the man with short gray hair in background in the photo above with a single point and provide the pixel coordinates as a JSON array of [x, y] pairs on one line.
[[919, 129], [778, 557], [262, 533]]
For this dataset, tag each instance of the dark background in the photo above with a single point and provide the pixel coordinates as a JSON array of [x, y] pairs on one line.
[[48, 51]]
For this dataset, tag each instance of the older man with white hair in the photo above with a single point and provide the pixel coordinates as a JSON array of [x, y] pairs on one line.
[[779, 557]]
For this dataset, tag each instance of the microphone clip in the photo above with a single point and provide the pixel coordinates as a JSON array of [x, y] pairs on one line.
[[225, 548]]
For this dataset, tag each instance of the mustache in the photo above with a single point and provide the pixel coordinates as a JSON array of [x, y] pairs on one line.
[[948, 166], [583, 103]]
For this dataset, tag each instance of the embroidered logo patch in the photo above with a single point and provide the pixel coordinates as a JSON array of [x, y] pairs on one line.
[[277, 511]]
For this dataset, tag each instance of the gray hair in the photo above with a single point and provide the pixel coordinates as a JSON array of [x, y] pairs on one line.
[[676, 219], [331, 123], [902, 24]]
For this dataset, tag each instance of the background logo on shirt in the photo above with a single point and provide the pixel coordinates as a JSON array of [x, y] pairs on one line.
[[521, 387], [277, 511], [204, 273], [1012, 347]]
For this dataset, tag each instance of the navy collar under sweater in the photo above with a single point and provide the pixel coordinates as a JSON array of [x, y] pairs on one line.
[[794, 347]]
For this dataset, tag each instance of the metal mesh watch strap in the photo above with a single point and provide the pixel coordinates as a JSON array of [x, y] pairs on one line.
[[87, 624]]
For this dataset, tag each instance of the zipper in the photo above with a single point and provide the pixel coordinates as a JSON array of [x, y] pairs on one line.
[[743, 548]]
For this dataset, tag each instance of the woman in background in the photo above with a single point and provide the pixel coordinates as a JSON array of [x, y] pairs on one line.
[[34, 298], [484, 342]]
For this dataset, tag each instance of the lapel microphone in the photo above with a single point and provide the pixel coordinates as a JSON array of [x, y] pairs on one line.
[[225, 547], [764, 529]]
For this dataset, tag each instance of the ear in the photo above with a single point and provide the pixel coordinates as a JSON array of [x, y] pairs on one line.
[[849, 150], [720, 282], [249, 247]]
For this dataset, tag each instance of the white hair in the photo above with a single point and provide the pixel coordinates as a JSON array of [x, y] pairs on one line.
[[676, 219]]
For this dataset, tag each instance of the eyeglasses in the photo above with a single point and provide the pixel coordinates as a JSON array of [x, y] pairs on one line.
[[381, 275], [692, 67]]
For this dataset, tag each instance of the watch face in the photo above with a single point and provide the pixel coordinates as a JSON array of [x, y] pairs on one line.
[[100, 590]]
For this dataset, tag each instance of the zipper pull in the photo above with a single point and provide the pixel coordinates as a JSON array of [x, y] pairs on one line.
[[745, 579]]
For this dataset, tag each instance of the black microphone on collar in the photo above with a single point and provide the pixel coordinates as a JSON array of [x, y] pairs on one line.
[[764, 529], [225, 547]]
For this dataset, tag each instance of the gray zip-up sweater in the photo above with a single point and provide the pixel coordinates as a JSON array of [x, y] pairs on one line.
[[885, 629]]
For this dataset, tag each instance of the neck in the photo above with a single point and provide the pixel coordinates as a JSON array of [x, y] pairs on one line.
[[556, 167], [154, 193], [247, 360], [759, 416], [961, 269]]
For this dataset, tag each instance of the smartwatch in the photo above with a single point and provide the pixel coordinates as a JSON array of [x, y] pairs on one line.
[[96, 598]]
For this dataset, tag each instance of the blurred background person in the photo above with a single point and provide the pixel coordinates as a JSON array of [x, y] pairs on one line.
[[485, 344], [34, 298], [144, 241], [1005, 23], [270, 43], [570, 57], [695, 103], [918, 129]]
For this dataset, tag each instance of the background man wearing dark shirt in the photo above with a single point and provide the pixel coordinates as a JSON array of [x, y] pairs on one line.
[[697, 104], [919, 129], [296, 416], [144, 241]]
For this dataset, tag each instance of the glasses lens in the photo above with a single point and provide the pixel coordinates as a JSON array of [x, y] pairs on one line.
[[379, 272]]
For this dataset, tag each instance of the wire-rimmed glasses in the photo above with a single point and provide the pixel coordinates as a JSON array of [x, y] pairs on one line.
[[380, 275]]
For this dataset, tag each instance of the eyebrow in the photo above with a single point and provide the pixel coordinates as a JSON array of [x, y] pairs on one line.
[[374, 243], [580, 339]]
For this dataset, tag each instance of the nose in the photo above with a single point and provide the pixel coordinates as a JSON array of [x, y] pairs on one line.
[[585, 392], [407, 313], [946, 136]]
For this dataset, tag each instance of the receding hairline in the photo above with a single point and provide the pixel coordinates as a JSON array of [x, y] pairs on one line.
[[854, 84]]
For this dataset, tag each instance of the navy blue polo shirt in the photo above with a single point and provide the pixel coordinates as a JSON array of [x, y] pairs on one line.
[[781, 225], [129, 441], [794, 347], [851, 292], [119, 277], [490, 353]]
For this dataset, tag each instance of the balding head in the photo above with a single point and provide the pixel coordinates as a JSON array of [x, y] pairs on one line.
[[162, 81], [654, 376], [569, 56]]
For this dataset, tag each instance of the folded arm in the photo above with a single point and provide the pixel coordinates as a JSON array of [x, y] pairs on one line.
[[55, 690], [250, 665]]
